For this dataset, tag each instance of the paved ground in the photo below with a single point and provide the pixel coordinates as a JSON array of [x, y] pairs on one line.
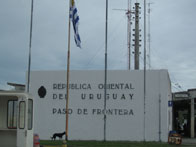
[[189, 141]]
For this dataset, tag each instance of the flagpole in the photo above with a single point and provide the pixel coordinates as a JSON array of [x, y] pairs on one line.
[[68, 65], [144, 70], [30, 42], [105, 80]]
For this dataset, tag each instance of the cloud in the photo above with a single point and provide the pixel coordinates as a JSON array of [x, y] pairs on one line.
[[172, 37]]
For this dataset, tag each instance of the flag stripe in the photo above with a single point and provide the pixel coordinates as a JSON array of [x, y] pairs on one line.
[[75, 21]]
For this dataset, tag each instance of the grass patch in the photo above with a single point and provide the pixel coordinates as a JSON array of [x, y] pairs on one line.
[[58, 143], [51, 142], [115, 144]]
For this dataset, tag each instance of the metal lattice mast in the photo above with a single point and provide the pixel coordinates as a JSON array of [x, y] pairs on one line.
[[129, 33], [128, 13]]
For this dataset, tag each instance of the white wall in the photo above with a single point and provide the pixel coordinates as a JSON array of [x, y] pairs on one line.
[[127, 119]]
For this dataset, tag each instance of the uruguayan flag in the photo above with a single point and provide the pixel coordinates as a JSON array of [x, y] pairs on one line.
[[75, 20]]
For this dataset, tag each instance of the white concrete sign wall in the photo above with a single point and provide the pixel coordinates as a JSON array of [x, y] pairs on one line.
[[125, 105]]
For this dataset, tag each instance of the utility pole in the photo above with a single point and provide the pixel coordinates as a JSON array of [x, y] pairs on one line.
[[137, 35]]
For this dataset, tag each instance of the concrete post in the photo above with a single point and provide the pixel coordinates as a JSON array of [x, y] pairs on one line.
[[137, 43], [192, 96], [192, 119]]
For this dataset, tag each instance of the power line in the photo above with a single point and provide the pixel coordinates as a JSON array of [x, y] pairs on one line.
[[101, 48]]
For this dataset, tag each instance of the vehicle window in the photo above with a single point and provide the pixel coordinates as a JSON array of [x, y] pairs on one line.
[[12, 114], [30, 114], [22, 115]]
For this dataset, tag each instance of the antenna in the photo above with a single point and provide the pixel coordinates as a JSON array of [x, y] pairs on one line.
[[149, 36], [128, 13]]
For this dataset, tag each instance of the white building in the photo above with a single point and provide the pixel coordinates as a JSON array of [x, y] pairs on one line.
[[125, 105]]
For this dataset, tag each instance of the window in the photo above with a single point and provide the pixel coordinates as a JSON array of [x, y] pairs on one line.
[[12, 114], [30, 114], [22, 115]]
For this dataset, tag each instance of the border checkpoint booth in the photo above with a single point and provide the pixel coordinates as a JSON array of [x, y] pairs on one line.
[[16, 119]]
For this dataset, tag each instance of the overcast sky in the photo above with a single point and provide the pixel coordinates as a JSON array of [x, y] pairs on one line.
[[173, 41]]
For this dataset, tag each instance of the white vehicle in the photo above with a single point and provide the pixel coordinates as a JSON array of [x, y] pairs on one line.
[[16, 119]]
